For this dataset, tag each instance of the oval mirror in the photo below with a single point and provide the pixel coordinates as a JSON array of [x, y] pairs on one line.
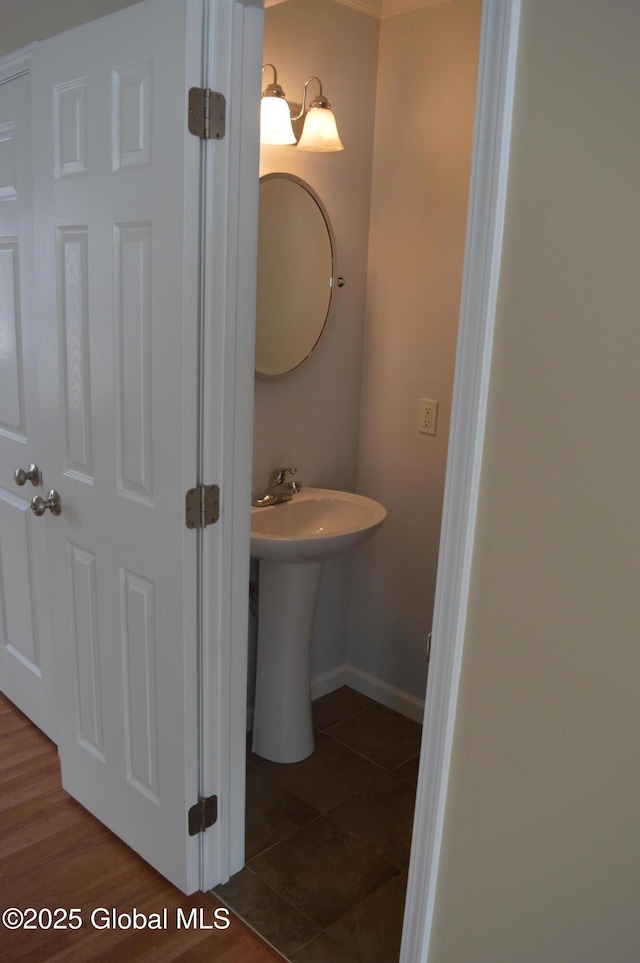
[[296, 254]]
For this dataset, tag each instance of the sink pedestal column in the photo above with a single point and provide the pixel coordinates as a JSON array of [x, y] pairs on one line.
[[282, 725]]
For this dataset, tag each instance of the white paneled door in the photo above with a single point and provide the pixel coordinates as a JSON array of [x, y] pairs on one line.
[[25, 641], [116, 185], [127, 292]]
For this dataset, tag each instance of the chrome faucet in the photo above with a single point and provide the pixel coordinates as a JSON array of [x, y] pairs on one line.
[[278, 489]]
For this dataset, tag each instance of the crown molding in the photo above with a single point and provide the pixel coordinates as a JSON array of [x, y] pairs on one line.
[[380, 9], [392, 8], [372, 8]]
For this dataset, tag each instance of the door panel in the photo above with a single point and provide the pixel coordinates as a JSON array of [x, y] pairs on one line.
[[25, 641], [115, 171]]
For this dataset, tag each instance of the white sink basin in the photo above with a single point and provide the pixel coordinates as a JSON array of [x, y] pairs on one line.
[[316, 524]]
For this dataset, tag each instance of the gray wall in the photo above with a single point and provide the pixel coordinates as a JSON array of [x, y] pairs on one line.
[[398, 206], [23, 21], [424, 128]]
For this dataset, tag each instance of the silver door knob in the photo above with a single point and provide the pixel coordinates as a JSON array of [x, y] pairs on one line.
[[53, 503], [22, 475]]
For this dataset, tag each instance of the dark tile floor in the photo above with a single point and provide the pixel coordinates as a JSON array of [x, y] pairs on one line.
[[328, 839]]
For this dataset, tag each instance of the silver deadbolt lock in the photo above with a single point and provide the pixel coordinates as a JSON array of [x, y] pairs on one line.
[[53, 503], [22, 475]]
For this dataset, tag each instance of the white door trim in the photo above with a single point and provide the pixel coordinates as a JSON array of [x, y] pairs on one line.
[[229, 297], [487, 197]]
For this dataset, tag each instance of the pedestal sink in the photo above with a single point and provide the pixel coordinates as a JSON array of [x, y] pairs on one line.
[[292, 541]]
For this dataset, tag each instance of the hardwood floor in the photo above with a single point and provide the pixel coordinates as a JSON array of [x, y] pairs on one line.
[[55, 854]]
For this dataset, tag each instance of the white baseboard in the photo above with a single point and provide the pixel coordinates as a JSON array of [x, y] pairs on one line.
[[382, 692], [329, 681], [385, 693]]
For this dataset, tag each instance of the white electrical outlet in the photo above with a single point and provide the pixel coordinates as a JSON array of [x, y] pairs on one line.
[[428, 417]]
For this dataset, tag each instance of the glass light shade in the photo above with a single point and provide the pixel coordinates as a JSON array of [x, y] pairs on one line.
[[320, 131], [275, 121]]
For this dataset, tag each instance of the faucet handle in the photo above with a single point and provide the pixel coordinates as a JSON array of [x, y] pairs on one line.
[[278, 475]]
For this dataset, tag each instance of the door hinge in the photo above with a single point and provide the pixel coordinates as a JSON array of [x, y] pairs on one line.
[[202, 506], [202, 815], [206, 114]]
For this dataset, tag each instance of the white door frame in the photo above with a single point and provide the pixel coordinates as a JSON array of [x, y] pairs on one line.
[[229, 299], [485, 222]]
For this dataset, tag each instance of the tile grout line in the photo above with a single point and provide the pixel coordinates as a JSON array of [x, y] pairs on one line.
[[368, 758], [271, 846], [339, 722]]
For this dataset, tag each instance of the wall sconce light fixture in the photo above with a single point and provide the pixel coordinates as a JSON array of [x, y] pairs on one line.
[[320, 131], [275, 116]]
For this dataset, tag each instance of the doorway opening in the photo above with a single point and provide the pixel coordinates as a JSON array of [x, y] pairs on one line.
[[400, 232]]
